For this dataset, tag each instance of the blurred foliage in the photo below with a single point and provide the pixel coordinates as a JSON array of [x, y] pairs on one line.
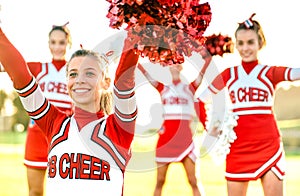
[[21, 115], [3, 97]]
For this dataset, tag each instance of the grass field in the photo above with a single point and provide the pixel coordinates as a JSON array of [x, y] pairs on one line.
[[141, 175]]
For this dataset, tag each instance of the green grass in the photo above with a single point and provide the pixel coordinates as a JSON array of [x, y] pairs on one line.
[[141, 175], [12, 137]]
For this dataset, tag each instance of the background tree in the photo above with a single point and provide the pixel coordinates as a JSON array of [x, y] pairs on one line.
[[21, 115], [3, 97]]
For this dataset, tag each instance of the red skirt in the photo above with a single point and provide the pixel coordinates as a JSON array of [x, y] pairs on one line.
[[249, 160], [175, 142], [36, 148]]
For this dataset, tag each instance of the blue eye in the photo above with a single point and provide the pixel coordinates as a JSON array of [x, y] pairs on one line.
[[90, 73], [73, 74]]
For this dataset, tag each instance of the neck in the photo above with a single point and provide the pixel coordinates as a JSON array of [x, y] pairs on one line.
[[59, 63], [251, 63], [248, 66], [84, 117]]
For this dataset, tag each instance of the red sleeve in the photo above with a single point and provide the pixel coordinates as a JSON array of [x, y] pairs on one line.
[[201, 112], [277, 74], [220, 81], [35, 68], [123, 123], [124, 77], [119, 133], [193, 86], [159, 87], [13, 63]]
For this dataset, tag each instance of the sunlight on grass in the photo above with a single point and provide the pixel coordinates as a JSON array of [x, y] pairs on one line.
[[140, 178]]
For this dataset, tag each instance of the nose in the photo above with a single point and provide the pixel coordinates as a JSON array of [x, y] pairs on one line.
[[245, 47]]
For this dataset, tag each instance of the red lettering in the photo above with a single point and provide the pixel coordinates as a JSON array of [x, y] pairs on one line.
[[105, 167], [54, 87], [254, 94], [265, 96], [241, 94], [175, 100], [64, 160], [62, 88], [51, 87], [52, 166], [95, 168], [79, 166], [74, 164], [232, 96], [250, 94], [85, 165]]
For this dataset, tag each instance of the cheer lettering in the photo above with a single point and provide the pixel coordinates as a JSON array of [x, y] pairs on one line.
[[250, 94], [79, 166]]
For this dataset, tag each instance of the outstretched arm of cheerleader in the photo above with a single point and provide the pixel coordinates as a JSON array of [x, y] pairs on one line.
[[295, 74], [207, 59]]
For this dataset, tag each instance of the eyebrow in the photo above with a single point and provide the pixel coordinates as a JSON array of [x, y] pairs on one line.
[[89, 68]]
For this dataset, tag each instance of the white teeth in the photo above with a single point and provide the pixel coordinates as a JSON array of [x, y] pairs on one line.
[[80, 90]]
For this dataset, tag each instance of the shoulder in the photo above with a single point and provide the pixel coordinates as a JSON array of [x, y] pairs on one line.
[[35, 67]]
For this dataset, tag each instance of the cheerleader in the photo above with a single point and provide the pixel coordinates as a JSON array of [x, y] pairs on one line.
[[257, 152]]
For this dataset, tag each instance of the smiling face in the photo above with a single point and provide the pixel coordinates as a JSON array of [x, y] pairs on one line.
[[247, 44], [85, 82]]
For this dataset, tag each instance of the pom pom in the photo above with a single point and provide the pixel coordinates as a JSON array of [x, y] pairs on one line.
[[220, 134], [219, 44], [168, 30]]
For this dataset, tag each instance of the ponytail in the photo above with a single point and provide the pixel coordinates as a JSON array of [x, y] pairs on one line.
[[106, 102]]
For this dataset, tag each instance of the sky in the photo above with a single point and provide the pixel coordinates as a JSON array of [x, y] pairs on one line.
[[27, 23]]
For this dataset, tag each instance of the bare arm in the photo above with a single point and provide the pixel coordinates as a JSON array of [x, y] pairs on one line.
[[207, 59]]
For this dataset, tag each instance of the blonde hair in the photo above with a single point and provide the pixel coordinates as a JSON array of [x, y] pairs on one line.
[[106, 102]]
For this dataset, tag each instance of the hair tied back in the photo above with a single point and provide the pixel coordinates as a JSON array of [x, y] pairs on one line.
[[249, 22], [66, 24]]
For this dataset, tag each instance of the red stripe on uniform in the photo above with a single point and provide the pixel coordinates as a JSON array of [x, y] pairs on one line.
[[39, 110], [252, 108], [126, 116], [46, 73], [106, 146], [289, 74], [30, 91], [235, 70], [124, 96], [264, 81], [213, 91], [63, 137]]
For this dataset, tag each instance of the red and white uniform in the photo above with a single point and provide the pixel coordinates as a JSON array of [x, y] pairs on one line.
[[88, 151], [51, 78], [258, 147], [175, 137]]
